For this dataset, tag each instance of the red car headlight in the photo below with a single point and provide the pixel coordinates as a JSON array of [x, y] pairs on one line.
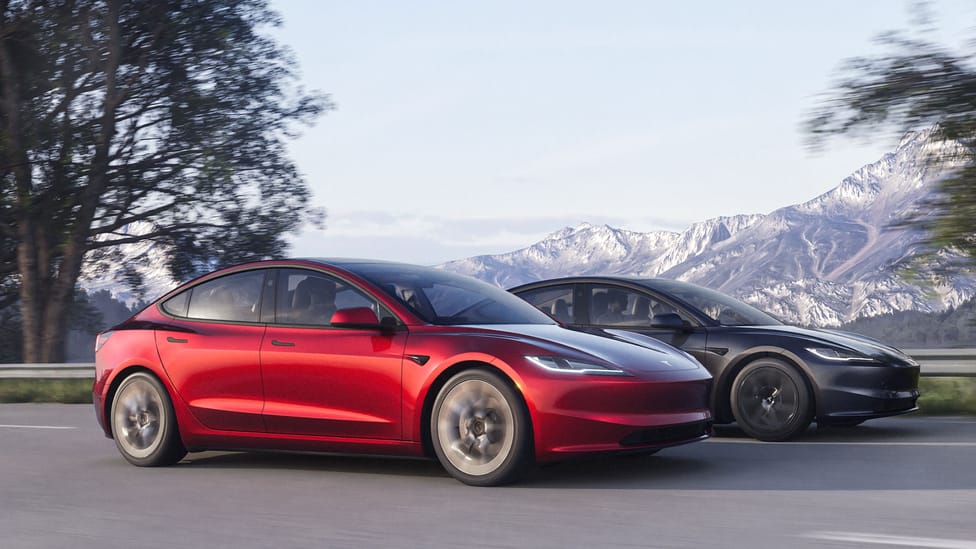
[[573, 366]]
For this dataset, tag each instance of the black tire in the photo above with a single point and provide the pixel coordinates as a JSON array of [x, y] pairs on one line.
[[771, 400], [480, 430], [143, 423]]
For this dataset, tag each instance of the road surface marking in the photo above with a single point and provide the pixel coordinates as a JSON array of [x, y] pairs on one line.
[[838, 443], [36, 427], [881, 539]]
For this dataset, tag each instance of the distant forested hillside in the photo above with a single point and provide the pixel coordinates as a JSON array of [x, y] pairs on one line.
[[90, 314], [913, 329]]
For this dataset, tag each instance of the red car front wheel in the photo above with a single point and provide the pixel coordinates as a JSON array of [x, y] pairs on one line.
[[480, 429]]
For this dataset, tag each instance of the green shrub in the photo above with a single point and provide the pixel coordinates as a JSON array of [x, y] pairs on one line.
[[68, 391], [947, 395]]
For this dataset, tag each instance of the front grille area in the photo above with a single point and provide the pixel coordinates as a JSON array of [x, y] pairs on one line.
[[669, 434], [901, 379], [897, 404]]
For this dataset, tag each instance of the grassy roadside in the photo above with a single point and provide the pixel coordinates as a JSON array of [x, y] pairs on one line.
[[68, 391], [947, 395], [940, 395]]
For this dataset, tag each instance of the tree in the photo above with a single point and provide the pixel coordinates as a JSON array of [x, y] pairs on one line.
[[173, 113], [917, 84]]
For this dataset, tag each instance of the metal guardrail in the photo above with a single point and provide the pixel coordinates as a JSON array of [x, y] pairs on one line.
[[80, 370], [934, 362], [945, 362]]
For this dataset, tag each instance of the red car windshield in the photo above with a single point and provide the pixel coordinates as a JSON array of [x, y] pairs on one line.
[[445, 298]]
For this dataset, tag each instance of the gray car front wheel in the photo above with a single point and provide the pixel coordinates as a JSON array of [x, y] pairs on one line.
[[771, 400]]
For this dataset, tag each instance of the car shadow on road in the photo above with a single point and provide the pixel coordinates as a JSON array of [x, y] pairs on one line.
[[860, 433], [896, 455], [278, 461]]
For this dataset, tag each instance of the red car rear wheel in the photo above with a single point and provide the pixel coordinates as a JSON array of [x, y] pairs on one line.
[[143, 423]]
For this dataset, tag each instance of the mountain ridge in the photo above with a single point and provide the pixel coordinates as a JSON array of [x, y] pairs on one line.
[[822, 262]]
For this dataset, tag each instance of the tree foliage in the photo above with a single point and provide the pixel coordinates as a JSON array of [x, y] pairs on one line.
[[917, 84], [170, 115], [953, 327]]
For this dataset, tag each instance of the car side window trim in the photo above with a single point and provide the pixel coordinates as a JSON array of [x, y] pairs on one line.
[[558, 301], [585, 311], [233, 301], [344, 289], [177, 306]]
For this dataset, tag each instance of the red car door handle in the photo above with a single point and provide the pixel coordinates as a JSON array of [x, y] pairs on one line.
[[282, 343], [172, 339]]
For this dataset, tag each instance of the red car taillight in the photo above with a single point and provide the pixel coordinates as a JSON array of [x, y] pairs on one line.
[[101, 339]]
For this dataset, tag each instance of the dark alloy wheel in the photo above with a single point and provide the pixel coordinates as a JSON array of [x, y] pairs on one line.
[[480, 430], [143, 423], [771, 400]]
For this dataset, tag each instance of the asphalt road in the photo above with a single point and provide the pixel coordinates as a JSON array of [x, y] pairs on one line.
[[896, 482]]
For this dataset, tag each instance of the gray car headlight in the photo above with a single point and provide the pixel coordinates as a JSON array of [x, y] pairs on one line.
[[839, 355], [573, 366]]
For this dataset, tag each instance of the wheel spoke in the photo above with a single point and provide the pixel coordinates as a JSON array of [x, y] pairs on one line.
[[474, 427], [788, 399], [141, 424], [492, 448], [496, 431], [769, 403], [460, 406], [139, 418]]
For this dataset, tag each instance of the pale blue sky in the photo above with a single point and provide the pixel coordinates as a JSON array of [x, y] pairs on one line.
[[466, 128]]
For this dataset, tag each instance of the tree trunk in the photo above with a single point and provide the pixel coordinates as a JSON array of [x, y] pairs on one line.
[[50, 264], [75, 246], [18, 164]]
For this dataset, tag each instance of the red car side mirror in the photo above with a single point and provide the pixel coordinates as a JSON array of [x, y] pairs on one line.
[[355, 317]]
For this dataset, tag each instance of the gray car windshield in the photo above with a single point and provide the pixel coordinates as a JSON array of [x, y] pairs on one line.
[[445, 298], [717, 306]]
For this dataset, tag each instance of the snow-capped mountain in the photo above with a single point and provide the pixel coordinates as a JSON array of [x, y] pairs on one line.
[[823, 262]]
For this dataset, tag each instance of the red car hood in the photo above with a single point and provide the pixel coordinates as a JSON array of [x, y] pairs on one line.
[[626, 350]]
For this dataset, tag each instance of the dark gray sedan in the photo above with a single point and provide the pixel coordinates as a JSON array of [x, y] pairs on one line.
[[770, 378]]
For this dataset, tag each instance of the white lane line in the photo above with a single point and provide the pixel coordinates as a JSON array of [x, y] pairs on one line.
[[36, 427], [881, 539], [836, 443]]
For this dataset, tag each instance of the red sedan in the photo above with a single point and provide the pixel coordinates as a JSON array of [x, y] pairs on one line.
[[383, 358]]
